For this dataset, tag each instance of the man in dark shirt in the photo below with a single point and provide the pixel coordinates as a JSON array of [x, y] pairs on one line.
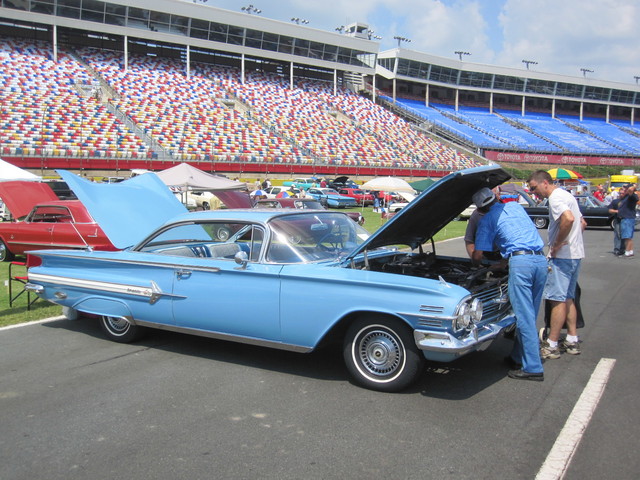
[[627, 214], [618, 244]]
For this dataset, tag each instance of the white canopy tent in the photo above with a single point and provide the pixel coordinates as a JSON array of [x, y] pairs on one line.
[[388, 184], [9, 172], [187, 177]]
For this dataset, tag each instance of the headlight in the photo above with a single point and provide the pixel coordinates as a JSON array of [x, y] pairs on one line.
[[463, 319], [476, 310], [468, 314]]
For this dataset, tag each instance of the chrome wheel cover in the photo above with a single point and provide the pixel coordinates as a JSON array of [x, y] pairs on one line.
[[116, 325], [379, 353]]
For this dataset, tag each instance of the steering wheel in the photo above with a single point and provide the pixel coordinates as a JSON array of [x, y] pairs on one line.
[[331, 242]]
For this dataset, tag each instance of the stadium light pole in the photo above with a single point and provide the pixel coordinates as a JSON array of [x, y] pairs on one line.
[[637, 78], [340, 29], [585, 71], [299, 21], [529, 62], [401, 39], [370, 34], [251, 9], [460, 53]]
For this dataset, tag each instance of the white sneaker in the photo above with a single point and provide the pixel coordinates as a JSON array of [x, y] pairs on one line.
[[628, 253]]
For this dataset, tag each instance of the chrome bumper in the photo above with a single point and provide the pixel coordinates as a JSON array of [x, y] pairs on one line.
[[443, 346]]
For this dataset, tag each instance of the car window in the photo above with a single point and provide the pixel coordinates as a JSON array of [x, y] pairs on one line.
[[314, 205], [310, 237], [217, 240], [50, 214]]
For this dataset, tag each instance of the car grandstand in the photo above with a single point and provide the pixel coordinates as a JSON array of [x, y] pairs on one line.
[[116, 85]]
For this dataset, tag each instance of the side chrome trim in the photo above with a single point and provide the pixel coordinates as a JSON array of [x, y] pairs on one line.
[[199, 268], [153, 293], [225, 336]]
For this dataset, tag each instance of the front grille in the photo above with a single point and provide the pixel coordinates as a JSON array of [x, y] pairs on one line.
[[492, 310]]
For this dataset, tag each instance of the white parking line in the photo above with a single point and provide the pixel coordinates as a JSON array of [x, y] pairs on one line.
[[557, 462], [35, 322]]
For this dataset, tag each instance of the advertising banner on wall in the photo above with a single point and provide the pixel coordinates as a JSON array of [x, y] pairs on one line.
[[555, 159]]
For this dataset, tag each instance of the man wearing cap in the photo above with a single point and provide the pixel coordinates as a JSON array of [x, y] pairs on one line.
[[508, 227]]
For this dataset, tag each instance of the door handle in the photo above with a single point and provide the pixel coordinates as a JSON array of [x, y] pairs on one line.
[[183, 273]]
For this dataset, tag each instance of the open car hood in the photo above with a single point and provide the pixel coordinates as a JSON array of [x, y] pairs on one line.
[[434, 208], [21, 196], [126, 211]]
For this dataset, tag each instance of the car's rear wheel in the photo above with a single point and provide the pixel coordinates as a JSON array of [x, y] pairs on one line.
[[223, 234], [541, 222], [205, 206], [119, 329], [380, 354], [5, 254]]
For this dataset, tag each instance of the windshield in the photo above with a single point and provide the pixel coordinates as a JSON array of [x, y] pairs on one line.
[[318, 237]]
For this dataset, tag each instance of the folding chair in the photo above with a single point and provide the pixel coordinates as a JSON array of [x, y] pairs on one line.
[[22, 279]]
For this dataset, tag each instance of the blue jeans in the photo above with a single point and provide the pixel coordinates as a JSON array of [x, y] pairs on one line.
[[527, 276], [618, 244]]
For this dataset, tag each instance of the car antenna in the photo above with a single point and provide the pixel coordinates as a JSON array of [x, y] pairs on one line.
[[88, 247]]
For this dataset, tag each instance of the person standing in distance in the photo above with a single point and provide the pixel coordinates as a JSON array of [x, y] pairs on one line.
[[566, 250], [627, 214], [618, 243], [509, 228]]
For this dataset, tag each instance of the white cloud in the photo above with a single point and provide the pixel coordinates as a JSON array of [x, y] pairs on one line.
[[565, 36], [561, 35]]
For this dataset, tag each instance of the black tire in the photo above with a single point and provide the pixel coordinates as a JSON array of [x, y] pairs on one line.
[[119, 329], [540, 222], [381, 354], [5, 254], [205, 206]]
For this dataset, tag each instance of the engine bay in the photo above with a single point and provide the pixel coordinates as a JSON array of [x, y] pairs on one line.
[[454, 270]]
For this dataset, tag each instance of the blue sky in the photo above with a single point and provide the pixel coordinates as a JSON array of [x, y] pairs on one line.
[[563, 36]]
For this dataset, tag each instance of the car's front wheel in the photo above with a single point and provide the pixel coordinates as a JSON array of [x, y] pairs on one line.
[[119, 329], [541, 222], [5, 254], [380, 354]]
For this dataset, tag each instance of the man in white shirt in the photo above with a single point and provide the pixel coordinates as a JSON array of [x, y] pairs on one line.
[[566, 250]]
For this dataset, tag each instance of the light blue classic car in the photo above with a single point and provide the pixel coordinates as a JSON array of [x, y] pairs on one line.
[[331, 198], [245, 276]]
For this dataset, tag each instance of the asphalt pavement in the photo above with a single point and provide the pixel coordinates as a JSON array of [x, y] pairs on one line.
[[74, 405]]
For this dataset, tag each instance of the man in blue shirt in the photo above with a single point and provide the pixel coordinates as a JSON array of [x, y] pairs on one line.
[[507, 226]]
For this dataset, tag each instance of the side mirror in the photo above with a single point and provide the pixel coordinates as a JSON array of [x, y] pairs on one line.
[[241, 258]]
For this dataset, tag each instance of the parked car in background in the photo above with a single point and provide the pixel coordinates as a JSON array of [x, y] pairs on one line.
[[303, 204], [303, 183], [361, 197], [273, 192], [43, 221], [390, 309], [331, 198], [203, 200], [342, 182], [595, 212]]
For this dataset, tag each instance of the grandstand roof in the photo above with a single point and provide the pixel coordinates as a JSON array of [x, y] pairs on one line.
[[199, 25], [429, 69]]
